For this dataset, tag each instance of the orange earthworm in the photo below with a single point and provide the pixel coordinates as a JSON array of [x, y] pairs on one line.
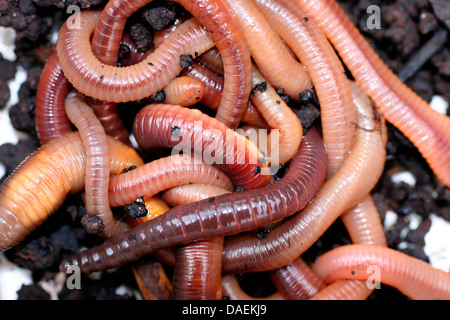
[[278, 116], [269, 53], [41, 183], [413, 277], [427, 129]]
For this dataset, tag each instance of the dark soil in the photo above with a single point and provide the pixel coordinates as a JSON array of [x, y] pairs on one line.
[[407, 26]]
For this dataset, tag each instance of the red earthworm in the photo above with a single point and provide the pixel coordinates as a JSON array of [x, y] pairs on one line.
[[296, 280], [192, 131], [162, 174], [41, 183], [327, 74], [413, 277], [198, 270], [226, 215], [232, 290], [213, 84], [224, 31], [108, 115], [213, 60], [427, 129], [198, 265], [95, 142], [184, 91], [346, 188], [191, 192], [134, 56], [268, 51], [119, 84], [278, 115], [50, 95]]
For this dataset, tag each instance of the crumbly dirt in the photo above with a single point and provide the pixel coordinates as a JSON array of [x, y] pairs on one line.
[[406, 27]]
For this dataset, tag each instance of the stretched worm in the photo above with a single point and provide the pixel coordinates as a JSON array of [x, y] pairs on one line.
[[309, 43], [226, 215], [162, 174], [427, 129], [41, 183], [268, 51], [213, 84], [413, 277], [192, 131], [345, 189], [50, 118], [224, 31], [120, 84]]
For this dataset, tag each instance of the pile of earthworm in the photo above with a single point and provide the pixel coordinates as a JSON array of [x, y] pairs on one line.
[[245, 60]]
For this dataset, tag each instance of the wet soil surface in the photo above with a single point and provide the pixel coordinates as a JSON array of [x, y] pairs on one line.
[[407, 27]]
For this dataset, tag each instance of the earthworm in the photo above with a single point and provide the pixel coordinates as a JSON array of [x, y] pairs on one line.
[[226, 215], [345, 189], [213, 84], [413, 277], [50, 118], [41, 183], [224, 31], [327, 74], [213, 60], [363, 225], [198, 270], [296, 280], [232, 290], [198, 265], [184, 91], [95, 142], [119, 84], [191, 192], [189, 130], [278, 116], [427, 129], [162, 174], [108, 115], [269, 53]]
